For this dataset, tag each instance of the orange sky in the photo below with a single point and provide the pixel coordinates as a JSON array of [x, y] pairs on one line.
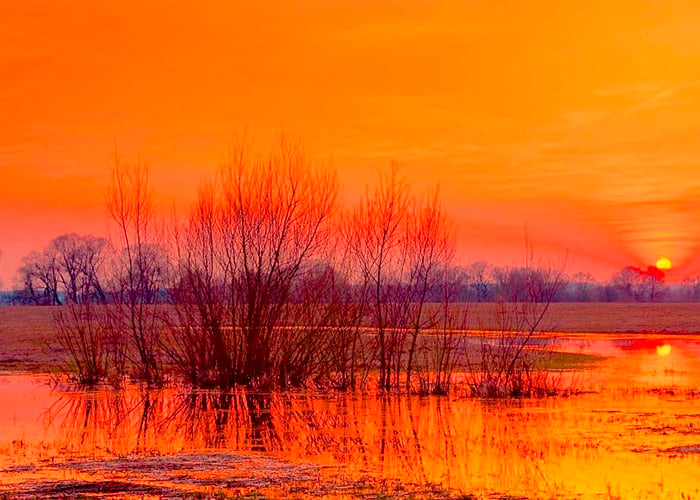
[[578, 120]]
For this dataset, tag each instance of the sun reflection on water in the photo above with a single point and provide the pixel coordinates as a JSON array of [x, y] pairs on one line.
[[663, 350]]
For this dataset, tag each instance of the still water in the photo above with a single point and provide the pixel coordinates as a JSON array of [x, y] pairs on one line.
[[633, 432]]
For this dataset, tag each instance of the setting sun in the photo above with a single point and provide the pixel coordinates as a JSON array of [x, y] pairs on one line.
[[663, 263]]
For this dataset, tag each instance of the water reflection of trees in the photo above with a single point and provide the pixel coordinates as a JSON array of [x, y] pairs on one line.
[[487, 446], [371, 432], [415, 439], [104, 422], [220, 420]]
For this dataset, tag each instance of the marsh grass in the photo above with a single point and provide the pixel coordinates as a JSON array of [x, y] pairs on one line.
[[84, 334], [32, 345]]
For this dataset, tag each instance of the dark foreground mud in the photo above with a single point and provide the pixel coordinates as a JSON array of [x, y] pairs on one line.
[[202, 475]]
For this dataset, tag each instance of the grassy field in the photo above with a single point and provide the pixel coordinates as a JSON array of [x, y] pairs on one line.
[[605, 318], [27, 337]]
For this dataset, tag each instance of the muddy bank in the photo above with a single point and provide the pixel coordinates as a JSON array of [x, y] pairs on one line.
[[204, 475]]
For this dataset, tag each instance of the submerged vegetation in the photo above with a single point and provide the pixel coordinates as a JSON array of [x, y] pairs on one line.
[[267, 283]]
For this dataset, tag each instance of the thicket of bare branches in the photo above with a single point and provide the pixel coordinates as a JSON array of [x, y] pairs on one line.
[[83, 332], [510, 363], [271, 290], [267, 283], [401, 248], [139, 269], [252, 240]]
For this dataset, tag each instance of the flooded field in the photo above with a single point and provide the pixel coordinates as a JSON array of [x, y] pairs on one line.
[[633, 431]]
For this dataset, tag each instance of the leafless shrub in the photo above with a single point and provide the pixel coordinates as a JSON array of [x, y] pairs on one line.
[[375, 234], [83, 333], [140, 266], [429, 247], [402, 247], [276, 216], [510, 363], [202, 340], [248, 246], [442, 350]]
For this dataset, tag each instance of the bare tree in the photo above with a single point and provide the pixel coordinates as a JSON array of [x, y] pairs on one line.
[[654, 278], [402, 248], [80, 261], [275, 221], [39, 277], [479, 273], [691, 285], [629, 284], [583, 287], [252, 242], [140, 267], [69, 269], [376, 230], [634, 283], [429, 248]]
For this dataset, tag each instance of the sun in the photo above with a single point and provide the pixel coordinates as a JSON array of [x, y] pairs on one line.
[[663, 263]]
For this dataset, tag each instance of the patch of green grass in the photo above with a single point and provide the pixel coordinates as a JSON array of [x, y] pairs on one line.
[[570, 361]]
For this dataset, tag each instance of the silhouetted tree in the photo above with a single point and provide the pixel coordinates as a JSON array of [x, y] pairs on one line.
[[139, 268], [69, 269], [250, 245], [635, 284], [691, 289], [376, 232], [39, 277], [429, 248], [478, 275]]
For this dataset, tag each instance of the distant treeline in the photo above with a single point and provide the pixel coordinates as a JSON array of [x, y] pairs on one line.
[[74, 268]]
